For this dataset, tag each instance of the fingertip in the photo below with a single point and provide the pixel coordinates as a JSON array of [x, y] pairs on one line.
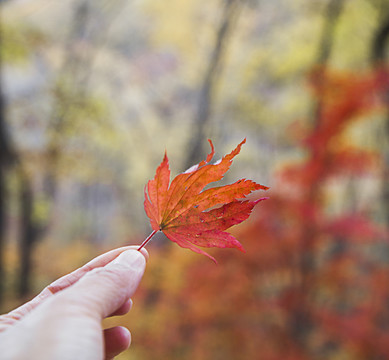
[[116, 340], [125, 337], [145, 253], [123, 309]]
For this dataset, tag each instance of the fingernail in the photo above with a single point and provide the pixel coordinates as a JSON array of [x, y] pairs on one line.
[[130, 259]]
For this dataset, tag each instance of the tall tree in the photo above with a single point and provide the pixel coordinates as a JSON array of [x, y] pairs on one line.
[[70, 89], [302, 318], [10, 162], [380, 46], [70, 92], [7, 159], [231, 11]]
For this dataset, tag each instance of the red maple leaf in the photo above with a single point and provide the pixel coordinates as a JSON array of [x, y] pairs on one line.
[[191, 216]]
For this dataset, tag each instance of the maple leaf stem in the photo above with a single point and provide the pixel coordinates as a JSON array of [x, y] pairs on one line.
[[147, 239]]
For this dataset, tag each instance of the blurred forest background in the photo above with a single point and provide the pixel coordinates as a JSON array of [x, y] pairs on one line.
[[94, 91]]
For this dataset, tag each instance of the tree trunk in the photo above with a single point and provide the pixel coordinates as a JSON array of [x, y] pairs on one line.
[[301, 320], [71, 86], [29, 231], [378, 57], [212, 74], [2, 229], [7, 159], [73, 77], [28, 235]]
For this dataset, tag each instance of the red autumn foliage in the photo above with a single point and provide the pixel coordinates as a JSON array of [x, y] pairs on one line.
[[343, 99], [191, 216]]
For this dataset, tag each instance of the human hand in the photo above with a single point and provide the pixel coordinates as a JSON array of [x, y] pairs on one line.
[[64, 320]]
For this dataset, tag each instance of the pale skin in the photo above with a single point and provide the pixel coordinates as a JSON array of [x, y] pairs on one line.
[[64, 321]]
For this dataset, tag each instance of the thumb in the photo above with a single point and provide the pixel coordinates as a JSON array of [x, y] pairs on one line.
[[105, 289]]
